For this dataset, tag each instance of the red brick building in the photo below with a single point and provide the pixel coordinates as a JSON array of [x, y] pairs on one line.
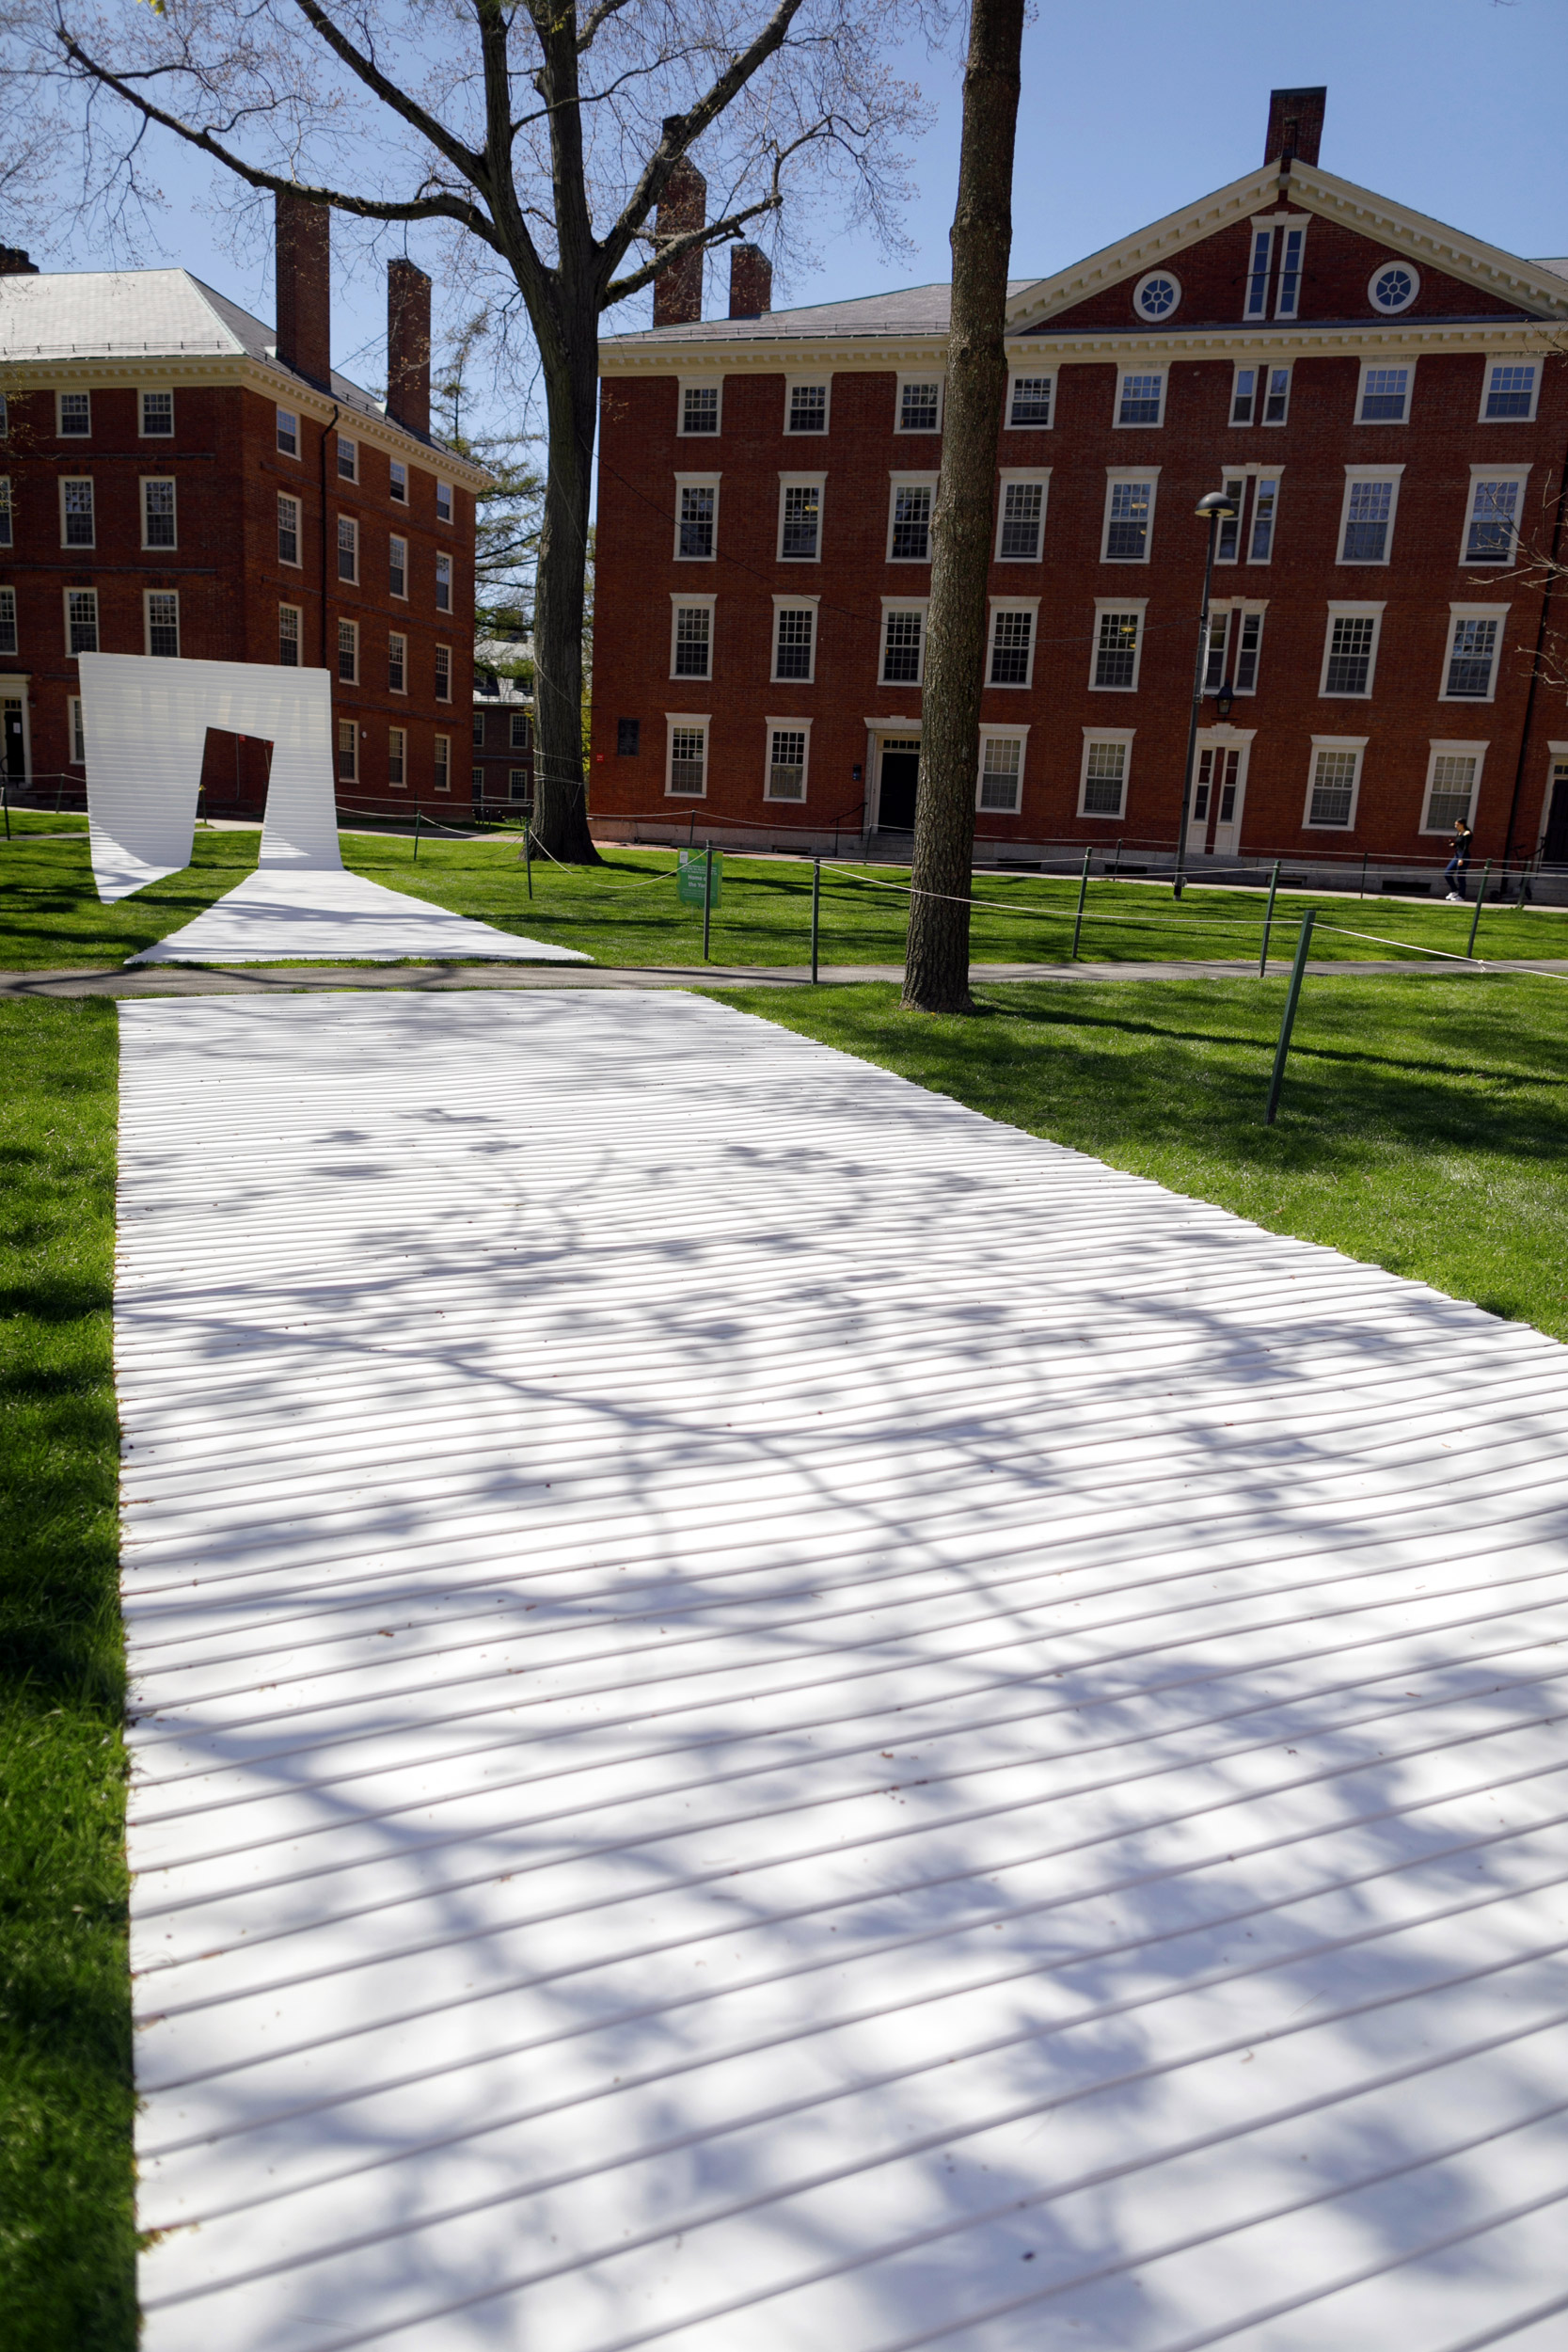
[[178, 479], [1387, 400]]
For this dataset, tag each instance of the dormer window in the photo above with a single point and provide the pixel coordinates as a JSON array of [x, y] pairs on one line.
[[1393, 288]]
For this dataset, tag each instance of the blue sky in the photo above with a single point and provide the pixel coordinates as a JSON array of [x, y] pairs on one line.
[[1454, 107]]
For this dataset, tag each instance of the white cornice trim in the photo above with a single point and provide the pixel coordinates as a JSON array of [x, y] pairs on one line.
[[154, 370]]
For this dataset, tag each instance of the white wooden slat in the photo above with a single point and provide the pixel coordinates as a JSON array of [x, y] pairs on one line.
[[320, 912], [769, 1711]]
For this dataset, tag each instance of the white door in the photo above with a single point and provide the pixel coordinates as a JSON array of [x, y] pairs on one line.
[[1219, 788]]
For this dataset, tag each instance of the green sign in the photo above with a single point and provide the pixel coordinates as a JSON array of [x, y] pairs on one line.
[[691, 874]]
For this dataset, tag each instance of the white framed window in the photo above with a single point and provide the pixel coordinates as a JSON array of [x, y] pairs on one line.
[[1020, 516], [1350, 650], [691, 636], [696, 518], [157, 512], [1393, 287], [788, 759], [441, 763], [1291, 249], [1453, 783], [348, 751], [348, 459], [81, 620], [1141, 397], [78, 517], [479, 730], [1492, 519], [1509, 388], [288, 530], [78, 731], [1366, 514], [519, 733], [1103, 779], [157, 416], [289, 632], [1475, 643], [5, 528], [517, 784], [1265, 515], [397, 484], [288, 433], [1013, 641], [443, 583], [1227, 538], [443, 502], [698, 417], [397, 567], [1031, 400], [8, 621], [920, 403], [903, 641], [1259, 268], [1333, 783], [74, 421], [1217, 645], [397, 663], [397, 759], [911, 499], [348, 547], [1157, 295], [1128, 527], [161, 622], [1246, 646], [443, 673], [806, 400], [348, 653], [795, 639], [1119, 643], [476, 783], [1383, 396], [999, 787], [1260, 393], [685, 754], [801, 517]]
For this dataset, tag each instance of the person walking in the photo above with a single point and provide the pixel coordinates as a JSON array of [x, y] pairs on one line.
[[1458, 865]]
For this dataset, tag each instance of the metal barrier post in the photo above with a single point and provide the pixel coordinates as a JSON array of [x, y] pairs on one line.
[[1268, 923], [528, 849], [707, 894], [815, 912], [1292, 998], [1475, 920], [416, 815], [6, 799], [1083, 894]]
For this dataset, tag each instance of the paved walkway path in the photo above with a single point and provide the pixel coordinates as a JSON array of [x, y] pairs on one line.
[[767, 1716], [278, 979]]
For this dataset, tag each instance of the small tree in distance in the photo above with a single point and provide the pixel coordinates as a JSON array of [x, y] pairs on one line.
[[543, 135]]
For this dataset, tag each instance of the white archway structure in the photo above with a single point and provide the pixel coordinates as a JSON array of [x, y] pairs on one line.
[[146, 726]]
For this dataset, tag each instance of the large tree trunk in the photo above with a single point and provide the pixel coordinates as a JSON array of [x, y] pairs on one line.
[[560, 795], [936, 976]]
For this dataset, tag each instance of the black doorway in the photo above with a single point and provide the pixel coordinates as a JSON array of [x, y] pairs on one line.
[[1554, 848], [900, 782], [15, 747]]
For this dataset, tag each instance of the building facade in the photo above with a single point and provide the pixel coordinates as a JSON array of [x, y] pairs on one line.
[[177, 479], [501, 773], [1385, 400]]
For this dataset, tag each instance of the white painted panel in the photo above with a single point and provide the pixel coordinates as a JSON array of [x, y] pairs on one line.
[[770, 1715], [301, 910]]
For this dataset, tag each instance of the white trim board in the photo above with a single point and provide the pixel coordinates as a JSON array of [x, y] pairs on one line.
[[766, 1714]]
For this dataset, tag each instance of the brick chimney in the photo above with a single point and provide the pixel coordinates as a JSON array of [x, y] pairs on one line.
[[408, 345], [1295, 125], [678, 291], [303, 270], [751, 282], [14, 263]]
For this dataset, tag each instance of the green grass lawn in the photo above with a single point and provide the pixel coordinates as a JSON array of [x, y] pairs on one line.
[[66, 2220], [624, 911], [1424, 1125]]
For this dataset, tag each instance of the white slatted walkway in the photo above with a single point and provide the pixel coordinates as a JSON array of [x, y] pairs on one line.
[[280, 912], [771, 1716]]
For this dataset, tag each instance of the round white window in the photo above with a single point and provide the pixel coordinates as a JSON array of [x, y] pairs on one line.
[[1156, 296], [1393, 287]]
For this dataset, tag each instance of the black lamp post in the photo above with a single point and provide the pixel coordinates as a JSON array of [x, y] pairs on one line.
[[1216, 507]]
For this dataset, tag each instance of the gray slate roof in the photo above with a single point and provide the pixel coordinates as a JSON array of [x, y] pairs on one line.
[[908, 310]]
